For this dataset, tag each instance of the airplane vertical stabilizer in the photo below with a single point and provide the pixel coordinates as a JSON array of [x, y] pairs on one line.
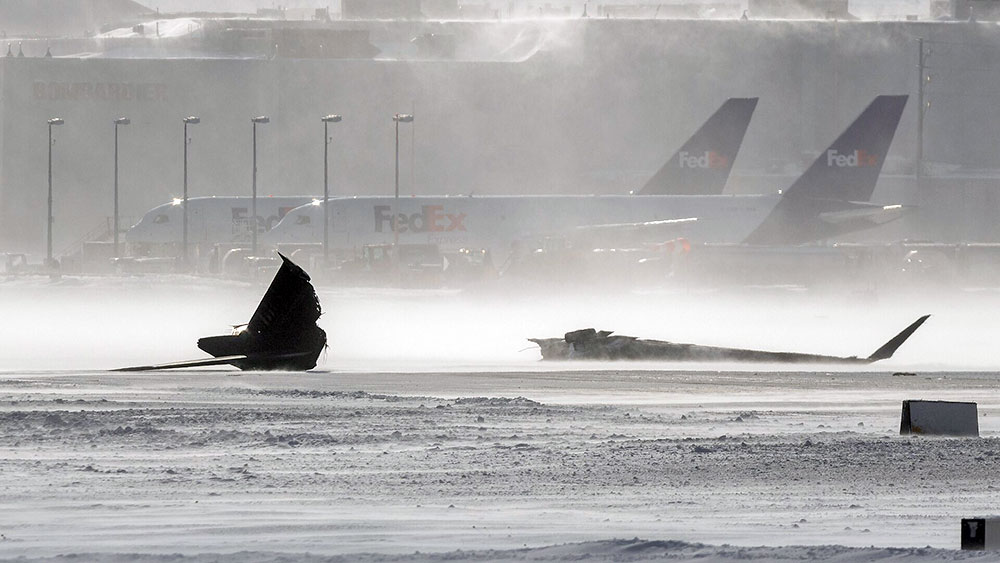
[[849, 168], [702, 165], [282, 333], [842, 178]]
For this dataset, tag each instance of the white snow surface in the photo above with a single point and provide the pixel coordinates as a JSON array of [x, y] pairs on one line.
[[197, 462], [425, 435]]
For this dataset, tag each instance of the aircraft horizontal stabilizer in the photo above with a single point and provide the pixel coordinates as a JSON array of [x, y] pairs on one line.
[[877, 214], [645, 226]]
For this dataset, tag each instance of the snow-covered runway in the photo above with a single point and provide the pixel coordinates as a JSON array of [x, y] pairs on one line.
[[431, 426], [340, 463]]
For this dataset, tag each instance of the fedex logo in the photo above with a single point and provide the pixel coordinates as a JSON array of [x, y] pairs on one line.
[[856, 159], [709, 159], [242, 220], [430, 219]]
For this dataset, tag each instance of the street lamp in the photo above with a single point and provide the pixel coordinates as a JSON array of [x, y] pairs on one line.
[[48, 246], [119, 121], [398, 118], [189, 120], [253, 211], [327, 120]]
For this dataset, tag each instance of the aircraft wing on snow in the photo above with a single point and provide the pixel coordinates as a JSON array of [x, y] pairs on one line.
[[590, 344], [223, 360]]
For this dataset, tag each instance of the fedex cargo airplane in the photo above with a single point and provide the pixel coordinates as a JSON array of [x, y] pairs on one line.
[[211, 220], [700, 166], [829, 199]]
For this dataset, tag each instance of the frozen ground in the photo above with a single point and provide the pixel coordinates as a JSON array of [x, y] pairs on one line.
[[427, 430], [345, 463]]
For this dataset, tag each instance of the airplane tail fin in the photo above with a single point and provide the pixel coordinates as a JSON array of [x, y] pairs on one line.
[[848, 169], [289, 305], [843, 176], [889, 348], [702, 165], [282, 333]]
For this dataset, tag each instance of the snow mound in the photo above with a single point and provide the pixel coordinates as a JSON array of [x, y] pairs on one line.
[[617, 550], [498, 402]]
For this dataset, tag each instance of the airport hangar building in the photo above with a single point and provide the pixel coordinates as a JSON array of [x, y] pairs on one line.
[[545, 106]]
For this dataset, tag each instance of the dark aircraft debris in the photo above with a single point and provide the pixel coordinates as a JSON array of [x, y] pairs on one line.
[[590, 344], [282, 334]]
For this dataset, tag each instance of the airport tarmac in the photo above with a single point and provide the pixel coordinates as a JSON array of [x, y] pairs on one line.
[[340, 463]]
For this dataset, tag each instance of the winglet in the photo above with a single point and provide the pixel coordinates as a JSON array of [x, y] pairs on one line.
[[887, 349], [702, 165]]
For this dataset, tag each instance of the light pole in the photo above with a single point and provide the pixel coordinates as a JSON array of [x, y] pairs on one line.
[[48, 242], [398, 118], [189, 120], [253, 211], [119, 121], [327, 120]]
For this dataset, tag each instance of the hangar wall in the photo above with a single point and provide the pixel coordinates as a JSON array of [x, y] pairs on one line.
[[599, 107]]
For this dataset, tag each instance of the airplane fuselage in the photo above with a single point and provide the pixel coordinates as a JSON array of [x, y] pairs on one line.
[[211, 220], [496, 222]]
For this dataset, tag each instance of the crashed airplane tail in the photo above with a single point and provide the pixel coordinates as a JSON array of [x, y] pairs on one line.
[[282, 333], [589, 344], [702, 165]]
